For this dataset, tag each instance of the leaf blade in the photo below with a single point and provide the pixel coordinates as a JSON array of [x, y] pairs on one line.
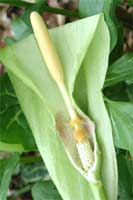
[[45, 190], [120, 70], [6, 170], [14, 129], [121, 116]]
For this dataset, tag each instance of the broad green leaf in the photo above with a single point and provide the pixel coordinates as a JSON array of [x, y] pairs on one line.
[[92, 7], [33, 172], [7, 167], [45, 191], [14, 129], [121, 114], [125, 168], [120, 70], [115, 27], [82, 53]]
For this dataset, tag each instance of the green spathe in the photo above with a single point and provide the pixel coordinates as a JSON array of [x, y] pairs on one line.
[[83, 48]]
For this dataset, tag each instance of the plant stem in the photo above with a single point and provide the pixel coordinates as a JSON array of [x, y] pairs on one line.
[[30, 159], [51, 58], [61, 11], [17, 3], [67, 100]]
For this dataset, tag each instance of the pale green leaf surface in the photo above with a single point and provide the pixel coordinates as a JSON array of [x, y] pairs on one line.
[[94, 69], [64, 175], [92, 7], [45, 191], [7, 167], [121, 114], [42, 101]]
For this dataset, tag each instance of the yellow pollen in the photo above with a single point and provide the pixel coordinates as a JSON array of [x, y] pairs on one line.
[[79, 131]]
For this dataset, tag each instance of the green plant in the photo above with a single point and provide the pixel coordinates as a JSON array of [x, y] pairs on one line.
[[84, 51]]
